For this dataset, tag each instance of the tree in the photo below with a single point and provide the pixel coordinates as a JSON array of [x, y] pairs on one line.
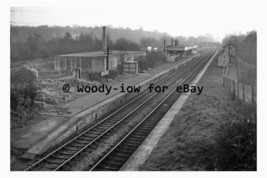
[[246, 45], [33, 46], [146, 42], [68, 36], [123, 44], [191, 40], [22, 86], [121, 55]]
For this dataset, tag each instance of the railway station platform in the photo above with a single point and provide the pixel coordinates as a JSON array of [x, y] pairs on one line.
[[76, 106], [39, 136]]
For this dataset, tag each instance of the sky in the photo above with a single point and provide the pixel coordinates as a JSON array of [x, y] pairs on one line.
[[177, 18]]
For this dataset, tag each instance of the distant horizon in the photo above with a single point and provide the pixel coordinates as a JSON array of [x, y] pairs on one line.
[[119, 27], [193, 19], [113, 27]]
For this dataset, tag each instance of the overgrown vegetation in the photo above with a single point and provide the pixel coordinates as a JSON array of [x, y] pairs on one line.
[[245, 57], [23, 93], [236, 140], [246, 46], [152, 60], [212, 131], [93, 76], [96, 76]]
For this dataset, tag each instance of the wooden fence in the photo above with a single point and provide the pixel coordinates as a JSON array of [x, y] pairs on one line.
[[130, 67], [246, 72], [246, 93]]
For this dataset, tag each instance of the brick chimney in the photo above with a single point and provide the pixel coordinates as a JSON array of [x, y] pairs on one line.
[[104, 38], [176, 42]]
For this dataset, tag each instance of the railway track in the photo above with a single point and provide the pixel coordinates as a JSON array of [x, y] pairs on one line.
[[122, 151], [62, 157]]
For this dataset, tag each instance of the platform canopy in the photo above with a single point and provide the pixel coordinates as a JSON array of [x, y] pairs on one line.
[[180, 48], [102, 54]]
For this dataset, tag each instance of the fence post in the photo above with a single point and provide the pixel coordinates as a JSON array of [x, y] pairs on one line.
[[253, 101], [254, 90], [238, 90], [243, 92], [233, 83], [65, 64]]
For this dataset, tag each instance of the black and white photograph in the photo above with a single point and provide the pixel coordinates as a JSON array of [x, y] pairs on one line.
[[148, 86]]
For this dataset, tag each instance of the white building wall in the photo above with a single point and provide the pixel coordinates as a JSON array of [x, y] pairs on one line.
[[113, 62], [223, 60], [57, 63], [98, 64], [171, 58]]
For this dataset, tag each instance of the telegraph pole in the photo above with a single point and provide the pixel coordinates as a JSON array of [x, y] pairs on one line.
[[164, 45], [108, 52], [229, 49]]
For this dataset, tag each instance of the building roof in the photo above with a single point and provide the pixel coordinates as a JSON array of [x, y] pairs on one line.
[[223, 54], [84, 54], [101, 53], [180, 48]]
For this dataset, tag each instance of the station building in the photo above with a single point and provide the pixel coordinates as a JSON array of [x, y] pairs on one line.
[[94, 61], [176, 51], [223, 59]]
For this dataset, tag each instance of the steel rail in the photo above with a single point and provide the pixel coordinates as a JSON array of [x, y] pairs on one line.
[[107, 117], [144, 119]]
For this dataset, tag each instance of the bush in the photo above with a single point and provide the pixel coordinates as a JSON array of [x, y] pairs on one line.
[[236, 140], [113, 74], [153, 59], [120, 69], [142, 64], [23, 87], [93, 76], [96, 76]]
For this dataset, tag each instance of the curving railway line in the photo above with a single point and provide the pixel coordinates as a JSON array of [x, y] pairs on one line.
[[137, 129]]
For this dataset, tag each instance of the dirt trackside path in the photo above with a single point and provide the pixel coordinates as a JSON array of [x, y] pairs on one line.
[[188, 142]]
